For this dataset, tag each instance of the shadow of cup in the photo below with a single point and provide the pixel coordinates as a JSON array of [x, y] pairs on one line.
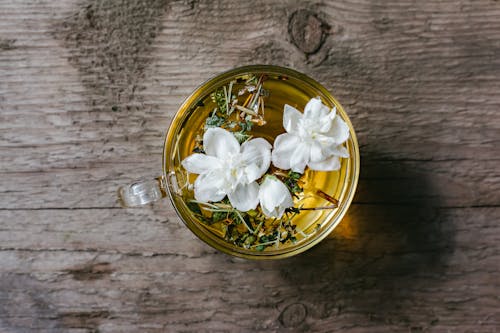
[[392, 242]]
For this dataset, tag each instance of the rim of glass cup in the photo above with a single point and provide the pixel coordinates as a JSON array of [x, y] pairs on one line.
[[348, 187]]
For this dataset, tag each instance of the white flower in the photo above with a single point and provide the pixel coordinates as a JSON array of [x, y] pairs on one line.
[[313, 139], [274, 197], [228, 169]]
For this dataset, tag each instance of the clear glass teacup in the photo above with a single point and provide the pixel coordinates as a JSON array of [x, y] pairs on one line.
[[250, 102]]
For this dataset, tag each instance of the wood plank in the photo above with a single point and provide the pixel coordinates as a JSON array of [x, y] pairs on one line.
[[89, 87], [380, 268], [82, 183]]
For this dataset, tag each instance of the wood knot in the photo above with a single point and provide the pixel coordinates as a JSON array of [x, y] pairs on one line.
[[293, 315], [307, 30]]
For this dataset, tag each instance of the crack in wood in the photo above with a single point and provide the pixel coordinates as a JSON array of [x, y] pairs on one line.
[[87, 319], [7, 44], [91, 271]]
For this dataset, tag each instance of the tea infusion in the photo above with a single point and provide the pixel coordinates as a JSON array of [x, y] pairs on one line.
[[259, 170]]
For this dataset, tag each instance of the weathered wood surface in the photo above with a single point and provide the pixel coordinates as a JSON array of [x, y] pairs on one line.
[[87, 90]]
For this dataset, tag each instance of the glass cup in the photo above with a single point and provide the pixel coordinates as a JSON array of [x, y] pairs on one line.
[[286, 85]]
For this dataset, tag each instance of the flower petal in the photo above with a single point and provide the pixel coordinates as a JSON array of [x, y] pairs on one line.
[[200, 163], [325, 124], [209, 187], [339, 131], [251, 172], [330, 164], [274, 197], [245, 197], [316, 153], [271, 213], [332, 113], [291, 117], [300, 157], [256, 152], [220, 143], [270, 194], [326, 121], [339, 150], [284, 146], [315, 109]]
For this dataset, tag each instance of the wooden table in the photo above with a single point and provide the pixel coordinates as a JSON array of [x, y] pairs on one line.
[[88, 89]]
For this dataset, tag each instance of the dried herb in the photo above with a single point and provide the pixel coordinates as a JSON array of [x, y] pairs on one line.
[[250, 230], [292, 182], [241, 136], [220, 100], [246, 126], [194, 207], [214, 121], [218, 216]]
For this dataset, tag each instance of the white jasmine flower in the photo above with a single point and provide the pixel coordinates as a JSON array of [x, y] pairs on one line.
[[229, 169], [313, 139], [274, 197]]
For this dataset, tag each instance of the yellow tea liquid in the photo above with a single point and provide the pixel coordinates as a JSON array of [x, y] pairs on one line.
[[281, 90]]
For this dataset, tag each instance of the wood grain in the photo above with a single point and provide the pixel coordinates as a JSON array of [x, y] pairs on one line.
[[89, 87]]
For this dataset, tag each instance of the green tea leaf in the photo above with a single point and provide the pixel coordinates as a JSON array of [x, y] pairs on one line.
[[220, 99], [246, 125], [194, 207], [218, 216], [241, 137], [260, 247], [214, 121]]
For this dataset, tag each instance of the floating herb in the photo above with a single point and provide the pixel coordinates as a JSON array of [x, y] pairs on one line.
[[292, 182], [246, 126], [214, 121], [241, 136], [219, 97]]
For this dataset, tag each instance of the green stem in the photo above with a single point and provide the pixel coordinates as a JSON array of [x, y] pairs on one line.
[[266, 243], [243, 221], [204, 204]]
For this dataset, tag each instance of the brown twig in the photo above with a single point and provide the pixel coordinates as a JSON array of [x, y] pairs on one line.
[[319, 208], [327, 197]]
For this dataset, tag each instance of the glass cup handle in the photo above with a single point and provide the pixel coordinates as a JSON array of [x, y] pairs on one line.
[[142, 192]]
